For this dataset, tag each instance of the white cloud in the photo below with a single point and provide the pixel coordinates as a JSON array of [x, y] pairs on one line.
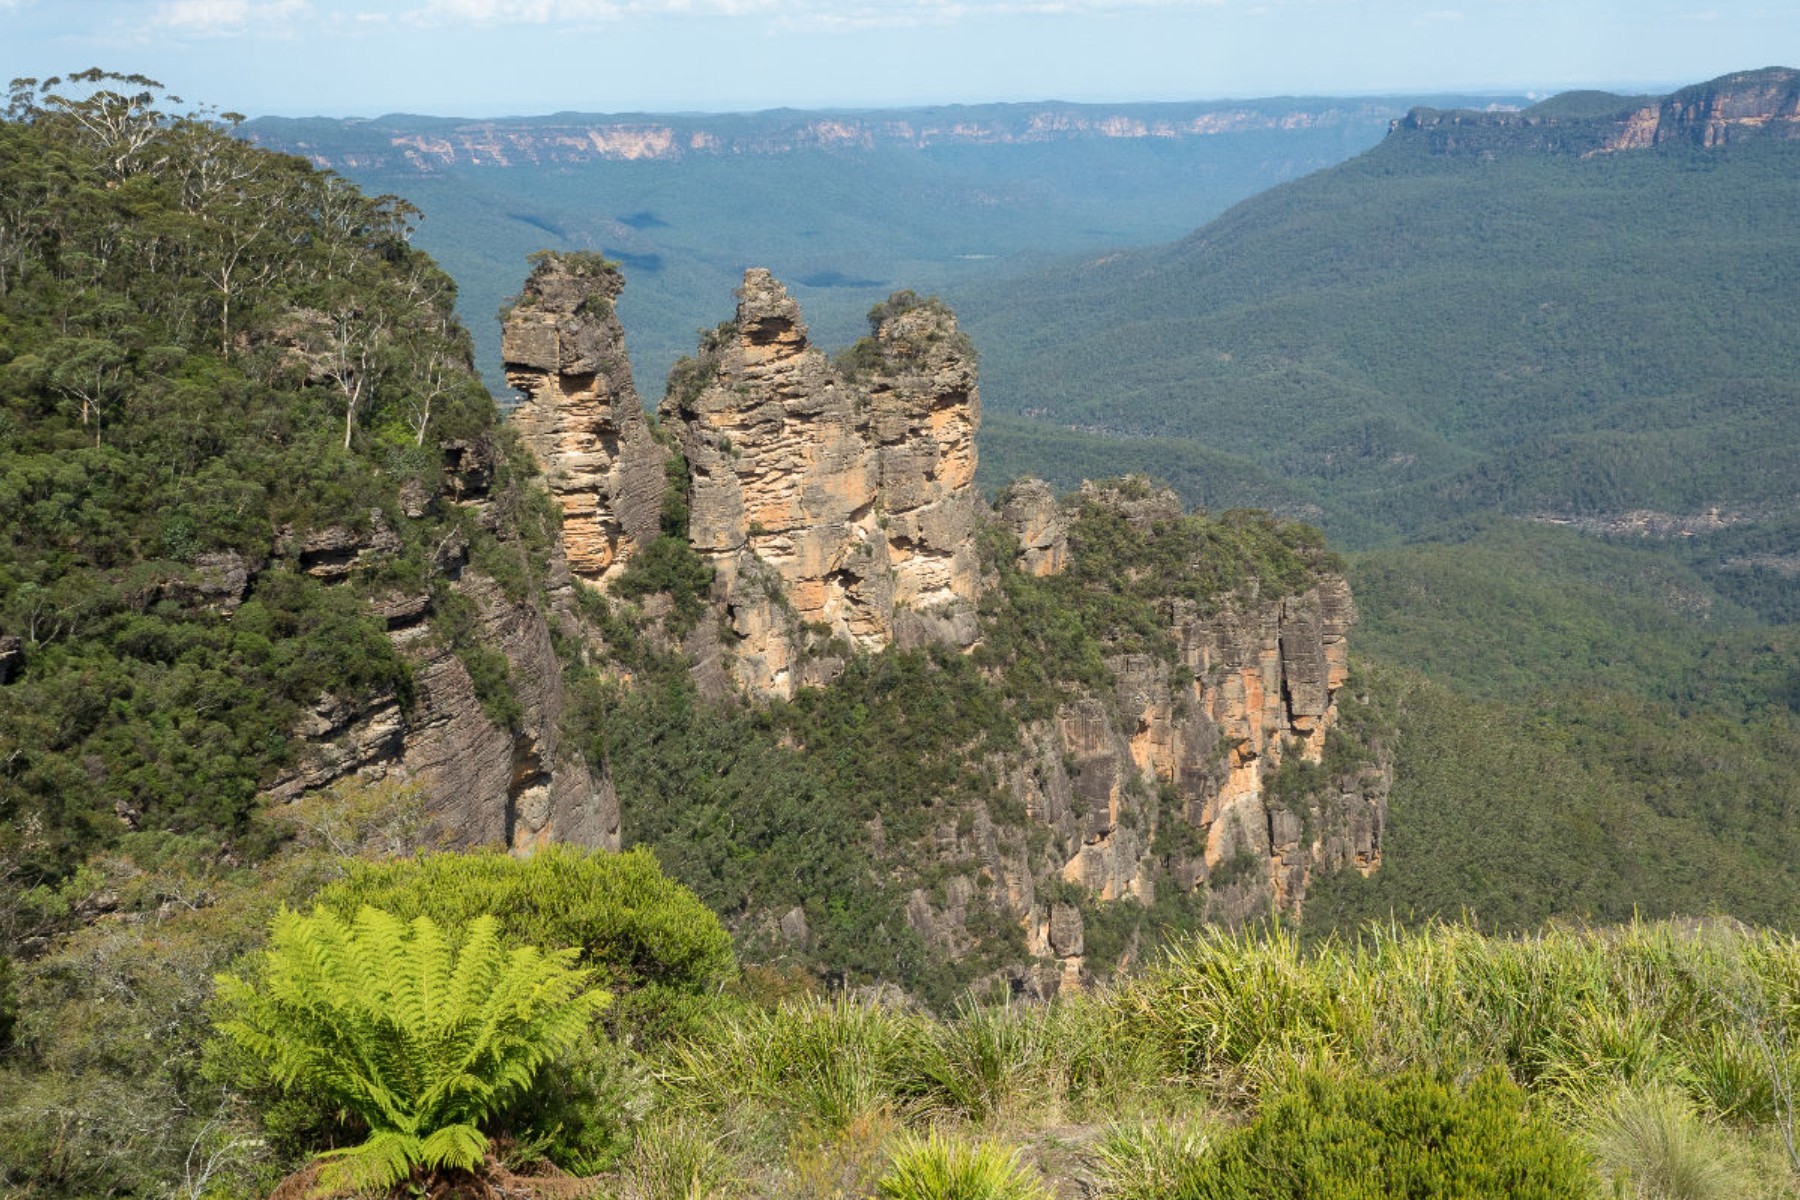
[[227, 18]]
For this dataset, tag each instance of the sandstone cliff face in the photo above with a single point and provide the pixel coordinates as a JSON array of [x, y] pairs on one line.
[[1732, 108], [520, 785], [1168, 781], [835, 503], [582, 419], [403, 144], [832, 509]]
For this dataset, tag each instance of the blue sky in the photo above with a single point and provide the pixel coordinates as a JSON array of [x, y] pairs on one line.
[[494, 57]]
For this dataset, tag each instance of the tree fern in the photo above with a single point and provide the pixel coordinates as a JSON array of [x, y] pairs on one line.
[[420, 1040]]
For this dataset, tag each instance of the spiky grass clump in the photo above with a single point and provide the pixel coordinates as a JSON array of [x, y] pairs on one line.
[[937, 1167], [808, 1064], [1655, 1146], [680, 1159], [1149, 1161], [988, 1062]]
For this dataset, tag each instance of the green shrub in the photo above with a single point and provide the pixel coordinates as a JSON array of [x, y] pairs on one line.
[[1412, 1136], [675, 1159], [987, 1060], [635, 928], [669, 564], [421, 1040], [945, 1168], [813, 1064], [9, 1004]]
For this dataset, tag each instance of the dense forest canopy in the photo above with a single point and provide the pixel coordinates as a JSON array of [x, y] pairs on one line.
[[206, 350]]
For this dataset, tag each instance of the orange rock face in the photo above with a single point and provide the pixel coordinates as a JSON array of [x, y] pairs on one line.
[[581, 417], [1255, 684], [832, 509]]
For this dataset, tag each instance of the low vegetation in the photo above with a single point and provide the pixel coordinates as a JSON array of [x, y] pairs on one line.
[[1657, 1060]]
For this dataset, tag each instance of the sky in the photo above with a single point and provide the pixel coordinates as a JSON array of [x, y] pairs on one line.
[[504, 57]]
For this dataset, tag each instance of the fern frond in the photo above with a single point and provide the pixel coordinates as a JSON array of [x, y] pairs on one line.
[[454, 1146], [375, 1165], [422, 1038]]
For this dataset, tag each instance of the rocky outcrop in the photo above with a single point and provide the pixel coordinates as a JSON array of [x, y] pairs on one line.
[[1730, 109], [484, 783], [1031, 510], [516, 783], [834, 510], [835, 505], [1171, 779], [581, 418]]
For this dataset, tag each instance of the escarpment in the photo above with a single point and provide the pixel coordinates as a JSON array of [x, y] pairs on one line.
[[479, 729], [1745, 105], [1184, 747], [1214, 766]]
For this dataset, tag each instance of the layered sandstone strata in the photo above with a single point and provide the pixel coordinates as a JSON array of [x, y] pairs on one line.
[[581, 417], [835, 509], [1166, 780]]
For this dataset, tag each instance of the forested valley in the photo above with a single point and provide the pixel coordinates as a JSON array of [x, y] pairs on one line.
[[354, 842]]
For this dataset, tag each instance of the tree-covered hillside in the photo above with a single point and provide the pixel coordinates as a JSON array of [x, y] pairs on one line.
[[1483, 316], [1420, 333], [208, 352]]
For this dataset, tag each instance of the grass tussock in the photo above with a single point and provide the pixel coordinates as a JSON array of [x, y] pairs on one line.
[[1664, 1054]]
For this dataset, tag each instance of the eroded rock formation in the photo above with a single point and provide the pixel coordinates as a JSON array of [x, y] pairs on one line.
[[581, 418], [519, 784], [1169, 779], [835, 504], [833, 509], [1733, 108]]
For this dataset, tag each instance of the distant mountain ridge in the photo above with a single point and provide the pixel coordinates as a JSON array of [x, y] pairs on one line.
[[1730, 109], [1486, 312], [434, 143], [846, 205]]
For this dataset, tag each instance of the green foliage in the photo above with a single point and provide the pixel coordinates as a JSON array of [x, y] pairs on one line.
[[1411, 1135], [211, 351], [422, 1040], [812, 1063], [1422, 336], [1649, 811], [109, 1087], [669, 565], [936, 1167], [1116, 593], [9, 1003], [631, 926], [1148, 1161], [747, 822], [812, 802], [676, 1160], [1655, 1145], [986, 1062], [947, 1168]]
